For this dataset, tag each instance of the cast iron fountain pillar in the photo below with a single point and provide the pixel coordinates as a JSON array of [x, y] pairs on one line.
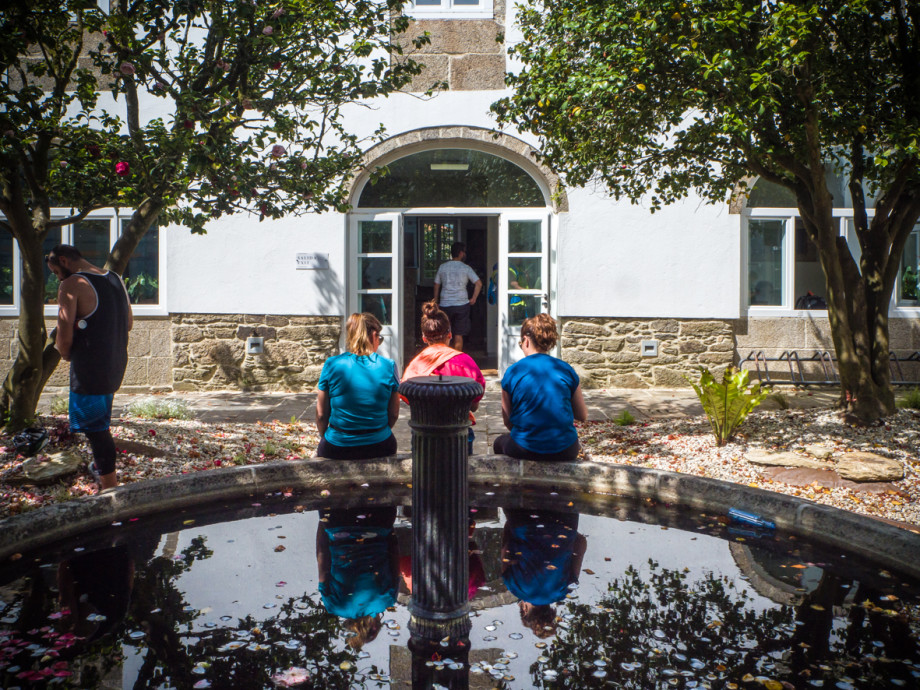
[[439, 605]]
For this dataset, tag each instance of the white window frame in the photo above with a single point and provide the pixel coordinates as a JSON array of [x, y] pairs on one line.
[[789, 216], [66, 234], [446, 9]]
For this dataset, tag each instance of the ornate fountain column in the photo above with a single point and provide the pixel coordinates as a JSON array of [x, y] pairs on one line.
[[439, 605]]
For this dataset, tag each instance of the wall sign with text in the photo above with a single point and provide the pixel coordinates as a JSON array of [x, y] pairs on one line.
[[312, 261]]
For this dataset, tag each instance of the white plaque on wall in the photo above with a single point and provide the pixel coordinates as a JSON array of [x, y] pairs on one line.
[[312, 260]]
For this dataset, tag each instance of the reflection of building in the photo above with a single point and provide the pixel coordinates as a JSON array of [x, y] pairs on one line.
[[709, 282]]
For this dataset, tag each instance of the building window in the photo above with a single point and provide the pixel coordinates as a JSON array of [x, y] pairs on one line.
[[909, 284], [94, 236], [450, 9], [456, 178], [6, 267], [783, 269]]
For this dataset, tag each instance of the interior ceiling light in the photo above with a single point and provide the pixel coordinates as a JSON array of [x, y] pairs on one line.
[[450, 166]]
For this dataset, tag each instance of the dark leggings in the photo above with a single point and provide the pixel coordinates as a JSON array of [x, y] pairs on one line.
[[505, 445], [382, 449], [103, 446]]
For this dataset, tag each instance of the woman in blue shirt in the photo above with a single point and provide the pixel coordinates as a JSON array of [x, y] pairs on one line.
[[358, 400], [541, 399]]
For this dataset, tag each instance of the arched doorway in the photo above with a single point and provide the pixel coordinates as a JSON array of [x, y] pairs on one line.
[[438, 190]]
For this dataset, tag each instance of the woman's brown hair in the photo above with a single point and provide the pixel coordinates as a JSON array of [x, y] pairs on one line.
[[435, 323], [359, 331], [542, 331]]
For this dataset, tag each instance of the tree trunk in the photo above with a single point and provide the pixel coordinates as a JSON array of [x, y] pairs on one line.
[[858, 301], [23, 383]]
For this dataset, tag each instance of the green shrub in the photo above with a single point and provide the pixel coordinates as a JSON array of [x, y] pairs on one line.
[[60, 405], [911, 399], [729, 401], [159, 408], [270, 448], [625, 418]]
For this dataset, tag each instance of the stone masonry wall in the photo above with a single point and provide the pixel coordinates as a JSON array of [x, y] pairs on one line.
[[209, 351], [464, 54], [607, 352], [149, 357]]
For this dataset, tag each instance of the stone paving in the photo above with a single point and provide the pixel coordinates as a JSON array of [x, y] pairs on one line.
[[604, 404]]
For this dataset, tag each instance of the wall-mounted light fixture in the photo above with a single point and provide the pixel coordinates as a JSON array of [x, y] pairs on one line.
[[450, 166]]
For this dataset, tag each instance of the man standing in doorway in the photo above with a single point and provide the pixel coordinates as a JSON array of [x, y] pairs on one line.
[[451, 295], [94, 317]]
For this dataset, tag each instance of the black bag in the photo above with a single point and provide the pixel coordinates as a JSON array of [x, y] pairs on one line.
[[810, 301], [29, 441]]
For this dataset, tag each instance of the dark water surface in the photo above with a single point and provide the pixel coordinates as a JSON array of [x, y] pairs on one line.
[[567, 591]]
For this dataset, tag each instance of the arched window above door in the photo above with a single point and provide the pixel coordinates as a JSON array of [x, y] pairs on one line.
[[458, 178]]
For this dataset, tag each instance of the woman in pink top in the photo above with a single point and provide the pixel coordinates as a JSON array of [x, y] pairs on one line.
[[440, 358]]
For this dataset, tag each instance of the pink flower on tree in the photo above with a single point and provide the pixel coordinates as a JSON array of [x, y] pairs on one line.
[[277, 151], [122, 169], [277, 13], [268, 30], [126, 68]]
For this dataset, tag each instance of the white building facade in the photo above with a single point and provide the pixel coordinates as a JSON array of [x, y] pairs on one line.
[[641, 299]]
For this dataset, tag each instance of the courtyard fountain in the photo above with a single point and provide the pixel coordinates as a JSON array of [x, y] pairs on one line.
[[585, 576]]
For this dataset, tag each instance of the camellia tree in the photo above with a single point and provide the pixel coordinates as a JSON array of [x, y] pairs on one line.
[[654, 99], [183, 111]]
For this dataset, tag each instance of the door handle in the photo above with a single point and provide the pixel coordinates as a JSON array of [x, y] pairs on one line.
[[545, 301]]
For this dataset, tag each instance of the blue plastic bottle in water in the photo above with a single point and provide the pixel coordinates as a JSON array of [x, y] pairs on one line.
[[750, 518]]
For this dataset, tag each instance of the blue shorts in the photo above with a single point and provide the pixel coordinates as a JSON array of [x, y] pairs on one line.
[[90, 412]]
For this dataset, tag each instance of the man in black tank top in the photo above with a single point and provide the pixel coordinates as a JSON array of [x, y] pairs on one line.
[[94, 318]]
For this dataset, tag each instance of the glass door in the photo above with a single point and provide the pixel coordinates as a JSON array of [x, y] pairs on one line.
[[376, 270], [523, 278]]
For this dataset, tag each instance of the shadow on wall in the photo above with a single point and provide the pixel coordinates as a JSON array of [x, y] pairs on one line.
[[329, 287]]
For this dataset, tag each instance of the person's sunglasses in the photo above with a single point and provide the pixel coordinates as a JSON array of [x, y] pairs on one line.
[[380, 338]]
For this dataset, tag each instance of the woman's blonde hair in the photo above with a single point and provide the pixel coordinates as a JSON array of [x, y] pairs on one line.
[[542, 331], [435, 323], [359, 330]]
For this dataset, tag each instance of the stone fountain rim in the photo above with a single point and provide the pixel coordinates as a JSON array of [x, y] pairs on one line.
[[888, 545]]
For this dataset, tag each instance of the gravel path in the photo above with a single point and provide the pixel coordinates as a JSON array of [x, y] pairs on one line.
[[158, 448]]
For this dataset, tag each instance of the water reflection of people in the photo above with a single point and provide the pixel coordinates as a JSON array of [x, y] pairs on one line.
[[542, 553], [358, 561]]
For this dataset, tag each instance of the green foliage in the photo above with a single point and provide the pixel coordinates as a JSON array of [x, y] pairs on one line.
[[143, 288], [160, 408], [60, 405], [654, 99], [219, 107], [239, 459], [910, 399], [6, 285], [270, 448], [729, 401], [625, 418], [663, 97], [910, 283]]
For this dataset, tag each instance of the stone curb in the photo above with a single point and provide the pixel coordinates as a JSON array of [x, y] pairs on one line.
[[889, 546]]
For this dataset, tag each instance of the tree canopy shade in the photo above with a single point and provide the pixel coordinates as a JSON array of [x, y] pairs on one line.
[[655, 99], [215, 107]]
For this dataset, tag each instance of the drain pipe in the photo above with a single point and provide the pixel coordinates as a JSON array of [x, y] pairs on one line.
[[439, 606]]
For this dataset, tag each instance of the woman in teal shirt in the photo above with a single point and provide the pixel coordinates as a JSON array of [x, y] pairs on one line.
[[358, 400], [541, 399]]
